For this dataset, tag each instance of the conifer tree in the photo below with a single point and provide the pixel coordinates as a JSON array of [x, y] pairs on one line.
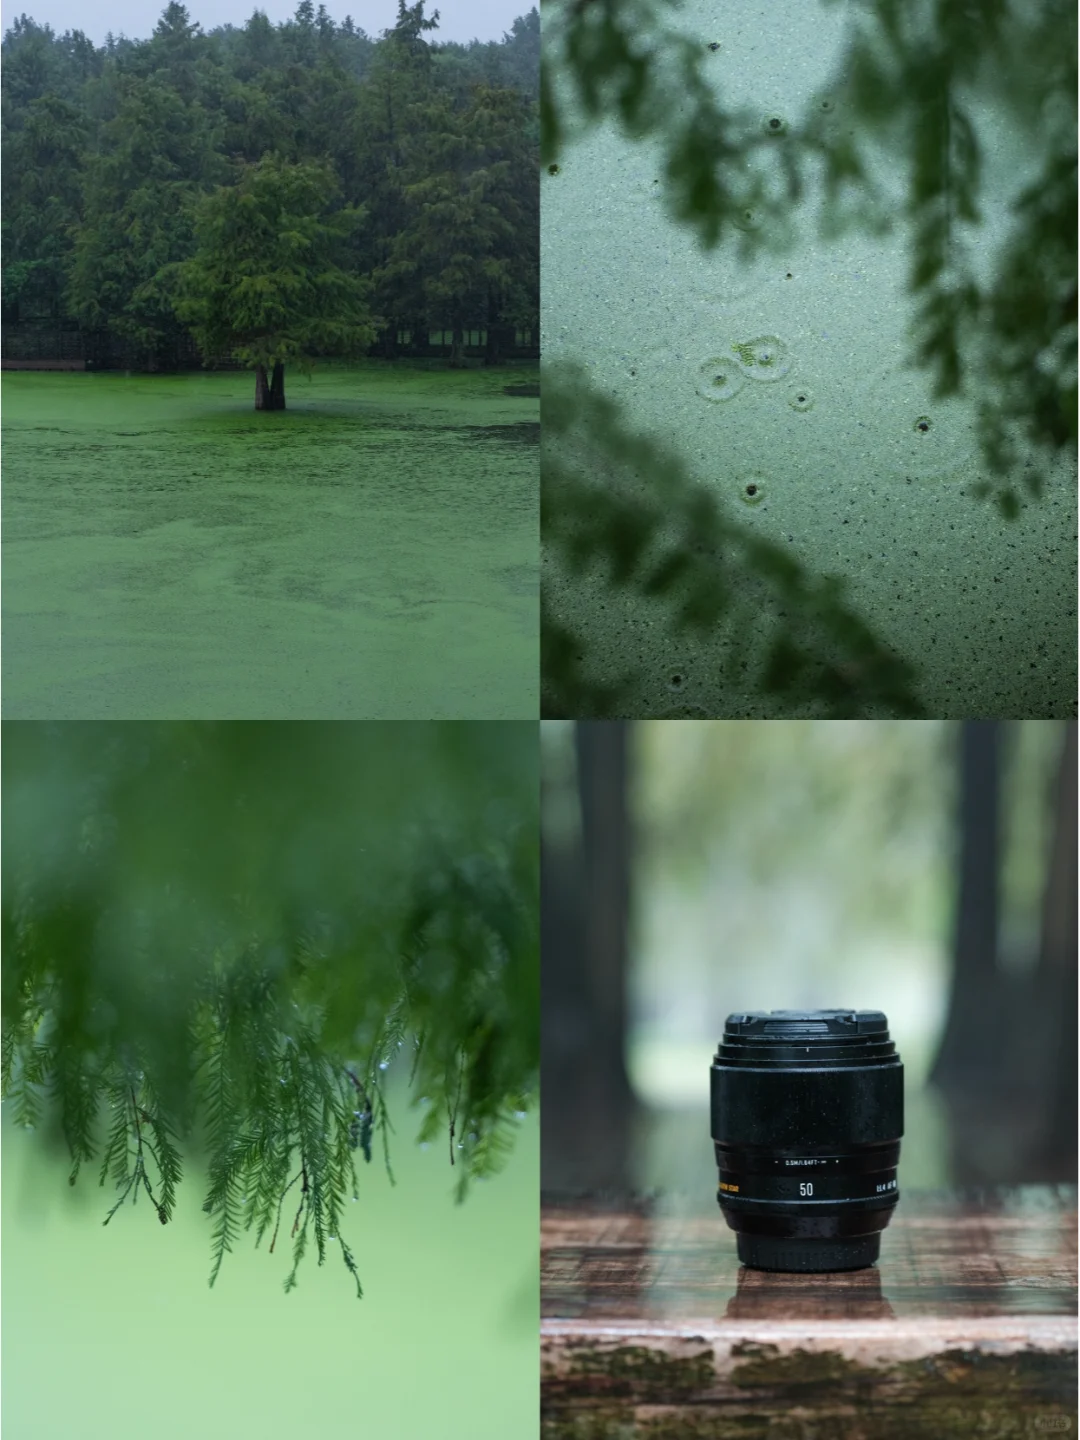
[[469, 236], [41, 203], [221, 939], [136, 224], [390, 127], [266, 284]]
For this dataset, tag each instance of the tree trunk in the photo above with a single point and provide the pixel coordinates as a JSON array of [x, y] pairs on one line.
[[1054, 1153], [976, 979], [270, 396], [589, 1107], [496, 333], [603, 785], [565, 1149], [1007, 1064], [500, 338], [457, 348]]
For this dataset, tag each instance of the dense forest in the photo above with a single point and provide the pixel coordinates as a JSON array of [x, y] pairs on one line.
[[363, 192]]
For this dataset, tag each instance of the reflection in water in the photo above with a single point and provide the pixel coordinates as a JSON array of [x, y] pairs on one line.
[[609, 1274], [845, 1295], [948, 1255]]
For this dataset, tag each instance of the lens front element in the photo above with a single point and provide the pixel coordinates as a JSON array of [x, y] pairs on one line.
[[807, 1115]]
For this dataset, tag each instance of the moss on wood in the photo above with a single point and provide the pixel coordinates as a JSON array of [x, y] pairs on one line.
[[637, 1393], [638, 1369]]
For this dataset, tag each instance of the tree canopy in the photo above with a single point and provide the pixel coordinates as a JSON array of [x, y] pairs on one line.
[[220, 939], [469, 241], [268, 283], [113, 150]]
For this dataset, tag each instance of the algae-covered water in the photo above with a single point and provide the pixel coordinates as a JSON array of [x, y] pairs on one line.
[[371, 552], [781, 380], [112, 1326]]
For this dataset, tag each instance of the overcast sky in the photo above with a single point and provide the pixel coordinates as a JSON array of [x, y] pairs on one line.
[[462, 20]]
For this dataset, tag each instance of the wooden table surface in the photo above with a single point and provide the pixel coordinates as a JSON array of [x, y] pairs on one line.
[[966, 1326]]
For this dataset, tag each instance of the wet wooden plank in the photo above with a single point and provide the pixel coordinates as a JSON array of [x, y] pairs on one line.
[[967, 1325]]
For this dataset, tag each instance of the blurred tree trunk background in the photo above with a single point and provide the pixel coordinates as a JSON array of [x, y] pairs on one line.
[[1007, 1064], [588, 1104], [974, 1001]]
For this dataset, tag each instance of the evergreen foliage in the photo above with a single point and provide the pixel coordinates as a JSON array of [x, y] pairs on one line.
[[913, 77], [137, 194], [112, 153], [462, 250], [220, 938], [42, 201], [265, 285]]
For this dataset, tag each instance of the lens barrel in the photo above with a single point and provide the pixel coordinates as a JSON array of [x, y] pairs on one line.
[[807, 1115]]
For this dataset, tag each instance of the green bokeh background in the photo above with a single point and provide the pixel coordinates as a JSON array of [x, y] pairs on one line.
[[109, 1330]]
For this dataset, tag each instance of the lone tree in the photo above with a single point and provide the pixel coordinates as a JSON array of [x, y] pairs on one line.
[[270, 282]]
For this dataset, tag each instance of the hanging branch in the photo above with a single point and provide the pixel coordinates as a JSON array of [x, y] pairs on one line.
[[250, 1058], [281, 1205], [139, 1172], [361, 1124], [452, 1114], [303, 1198]]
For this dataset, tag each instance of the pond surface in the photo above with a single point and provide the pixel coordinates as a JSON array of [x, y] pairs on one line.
[[778, 375], [371, 552]]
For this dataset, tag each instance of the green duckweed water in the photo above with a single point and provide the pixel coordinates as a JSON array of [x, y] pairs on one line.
[[871, 477], [371, 552]]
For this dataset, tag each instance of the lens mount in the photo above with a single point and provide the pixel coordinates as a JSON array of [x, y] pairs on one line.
[[807, 1116]]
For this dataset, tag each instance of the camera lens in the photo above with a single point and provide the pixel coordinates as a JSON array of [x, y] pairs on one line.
[[807, 1115]]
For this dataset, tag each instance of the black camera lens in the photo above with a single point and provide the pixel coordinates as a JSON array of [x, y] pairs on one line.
[[807, 1115]]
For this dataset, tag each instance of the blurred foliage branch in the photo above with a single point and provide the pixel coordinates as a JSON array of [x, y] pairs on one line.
[[913, 78], [618, 503], [199, 948]]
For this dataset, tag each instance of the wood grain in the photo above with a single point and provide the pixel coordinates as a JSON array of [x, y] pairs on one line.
[[967, 1326]]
